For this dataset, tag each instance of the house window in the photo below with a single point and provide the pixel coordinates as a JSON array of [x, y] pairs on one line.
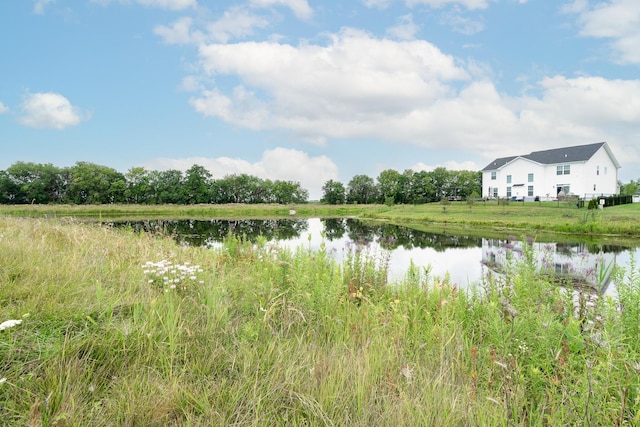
[[530, 191], [562, 187], [530, 178], [605, 170], [508, 192], [508, 179], [594, 187], [493, 175], [495, 192], [567, 169], [597, 170], [559, 170]]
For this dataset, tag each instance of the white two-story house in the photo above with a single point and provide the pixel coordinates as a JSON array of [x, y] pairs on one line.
[[587, 171]]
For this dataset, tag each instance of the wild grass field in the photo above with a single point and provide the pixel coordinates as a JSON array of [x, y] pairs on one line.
[[103, 327]]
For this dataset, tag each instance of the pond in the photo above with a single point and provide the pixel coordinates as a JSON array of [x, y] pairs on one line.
[[463, 259]]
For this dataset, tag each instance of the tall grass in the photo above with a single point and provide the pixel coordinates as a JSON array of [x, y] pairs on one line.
[[258, 335]]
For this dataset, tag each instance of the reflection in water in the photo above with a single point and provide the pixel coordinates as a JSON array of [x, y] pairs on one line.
[[575, 264], [462, 258], [209, 232]]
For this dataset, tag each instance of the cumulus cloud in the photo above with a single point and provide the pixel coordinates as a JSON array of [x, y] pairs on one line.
[[49, 110], [161, 4], [300, 8], [334, 90], [277, 164], [615, 20], [405, 29], [235, 23], [179, 32], [3, 108], [357, 86]]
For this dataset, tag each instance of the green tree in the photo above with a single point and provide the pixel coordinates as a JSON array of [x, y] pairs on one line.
[[630, 188], [138, 186], [333, 193], [362, 189], [8, 189], [220, 191], [405, 187], [441, 180], [245, 188], [423, 189], [95, 184], [166, 186], [36, 183], [196, 185], [389, 186], [288, 192], [466, 182]]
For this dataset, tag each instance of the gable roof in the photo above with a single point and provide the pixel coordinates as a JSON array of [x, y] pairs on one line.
[[578, 153]]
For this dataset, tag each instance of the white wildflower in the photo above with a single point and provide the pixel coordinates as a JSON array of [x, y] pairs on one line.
[[9, 324]]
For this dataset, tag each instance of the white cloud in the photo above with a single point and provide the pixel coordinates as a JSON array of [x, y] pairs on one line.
[[169, 4], [179, 32], [405, 29], [49, 110], [449, 165], [462, 24], [469, 4], [3, 108], [277, 164], [161, 4], [38, 8], [236, 22], [617, 20], [300, 8], [409, 92], [378, 4], [576, 6], [329, 90]]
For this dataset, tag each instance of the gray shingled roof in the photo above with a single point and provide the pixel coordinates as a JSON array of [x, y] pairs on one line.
[[578, 153]]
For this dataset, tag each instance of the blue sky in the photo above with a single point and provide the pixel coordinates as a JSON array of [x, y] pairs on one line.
[[311, 90]]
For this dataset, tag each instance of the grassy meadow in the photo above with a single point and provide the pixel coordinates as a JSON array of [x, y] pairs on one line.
[[106, 327]]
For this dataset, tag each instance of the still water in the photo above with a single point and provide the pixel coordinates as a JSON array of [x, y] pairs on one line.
[[464, 259]]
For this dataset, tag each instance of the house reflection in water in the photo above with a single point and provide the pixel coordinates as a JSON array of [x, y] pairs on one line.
[[570, 264]]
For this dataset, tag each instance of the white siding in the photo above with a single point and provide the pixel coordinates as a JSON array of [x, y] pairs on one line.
[[599, 171], [519, 170], [606, 181]]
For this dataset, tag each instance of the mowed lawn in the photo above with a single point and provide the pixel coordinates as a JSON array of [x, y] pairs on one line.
[[545, 216]]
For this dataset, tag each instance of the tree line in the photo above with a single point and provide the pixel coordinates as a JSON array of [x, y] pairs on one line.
[[409, 187], [90, 183]]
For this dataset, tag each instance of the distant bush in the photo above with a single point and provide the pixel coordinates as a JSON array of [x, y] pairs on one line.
[[610, 201]]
